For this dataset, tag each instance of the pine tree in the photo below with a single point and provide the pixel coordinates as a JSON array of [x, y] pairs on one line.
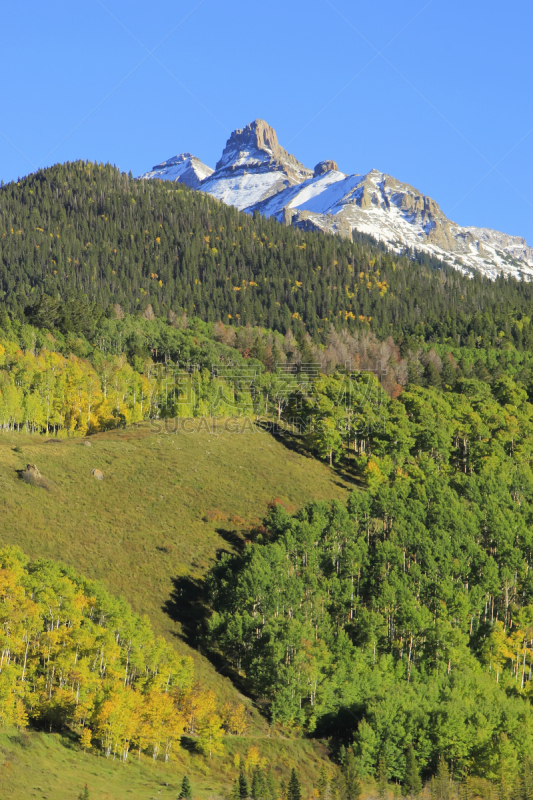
[[244, 791], [431, 375], [351, 780], [413, 782], [448, 376], [294, 791], [338, 787], [186, 789], [323, 784], [258, 784], [526, 782], [85, 794], [441, 785], [271, 787]]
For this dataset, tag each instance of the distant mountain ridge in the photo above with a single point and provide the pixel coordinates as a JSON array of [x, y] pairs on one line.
[[255, 173]]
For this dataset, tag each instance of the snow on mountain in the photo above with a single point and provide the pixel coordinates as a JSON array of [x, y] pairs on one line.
[[184, 168], [253, 167], [399, 215], [256, 174]]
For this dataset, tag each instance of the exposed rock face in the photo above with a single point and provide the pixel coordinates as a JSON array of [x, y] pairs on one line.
[[256, 147], [514, 245], [253, 167], [324, 166]]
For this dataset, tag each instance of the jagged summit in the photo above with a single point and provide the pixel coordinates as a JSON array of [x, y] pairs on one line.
[[257, 135], [257, 146], [254, 166], [255, 173]]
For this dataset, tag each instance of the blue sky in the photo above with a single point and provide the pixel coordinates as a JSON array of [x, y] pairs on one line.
[[437, 93]]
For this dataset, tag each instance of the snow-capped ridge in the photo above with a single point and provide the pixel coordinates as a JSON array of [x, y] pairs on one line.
[[183, 168], [255, 173]]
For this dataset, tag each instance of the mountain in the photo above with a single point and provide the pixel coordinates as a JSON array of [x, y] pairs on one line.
[[256, 174], [253, 168], [184, 168]]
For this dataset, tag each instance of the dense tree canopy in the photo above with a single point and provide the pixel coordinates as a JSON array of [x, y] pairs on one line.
[[404, 619], [84, 230], [73, 656]]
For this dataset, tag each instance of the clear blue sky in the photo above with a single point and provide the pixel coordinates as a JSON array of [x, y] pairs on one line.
[[437, 93]]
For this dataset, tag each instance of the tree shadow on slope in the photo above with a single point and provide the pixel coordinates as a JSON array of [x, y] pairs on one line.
[[186, 605], [296, 443], [233, 537]]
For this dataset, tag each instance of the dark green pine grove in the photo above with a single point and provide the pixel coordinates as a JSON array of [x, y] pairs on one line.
[[86, 231]]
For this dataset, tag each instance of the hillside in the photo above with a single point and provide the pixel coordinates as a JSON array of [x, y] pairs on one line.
[[168, 505], [85, 231], [360, 588], [53, 767]]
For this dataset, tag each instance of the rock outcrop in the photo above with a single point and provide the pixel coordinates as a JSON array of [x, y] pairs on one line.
[[324, 166], [256, 148]]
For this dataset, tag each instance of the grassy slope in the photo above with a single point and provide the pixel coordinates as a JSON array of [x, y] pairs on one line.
[[52, 767], [143, 527]]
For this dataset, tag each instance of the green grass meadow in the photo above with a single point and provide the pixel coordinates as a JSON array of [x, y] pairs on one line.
[[168, 504]]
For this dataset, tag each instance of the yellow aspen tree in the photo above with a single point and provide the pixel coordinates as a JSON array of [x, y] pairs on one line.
[[86, 739], [210, 734]]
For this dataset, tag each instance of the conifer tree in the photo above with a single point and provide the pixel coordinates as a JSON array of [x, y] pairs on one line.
[[526, 779], [271, 787], [441, 787], [383, 778], [352, 786], [258, 784], [186, 789], [294, 791], [323, 784], [244, 790]]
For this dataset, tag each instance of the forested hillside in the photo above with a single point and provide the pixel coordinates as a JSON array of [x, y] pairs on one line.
[[88, 231], [395, 626], [402, 622]]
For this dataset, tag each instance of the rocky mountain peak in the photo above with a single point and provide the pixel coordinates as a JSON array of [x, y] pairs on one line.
[[255, 148], [257, 134], [325, 166], [255, 173]]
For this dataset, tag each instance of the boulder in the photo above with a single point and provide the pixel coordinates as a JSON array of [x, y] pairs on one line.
[[96, 473], [33, 476], [33, 469]]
